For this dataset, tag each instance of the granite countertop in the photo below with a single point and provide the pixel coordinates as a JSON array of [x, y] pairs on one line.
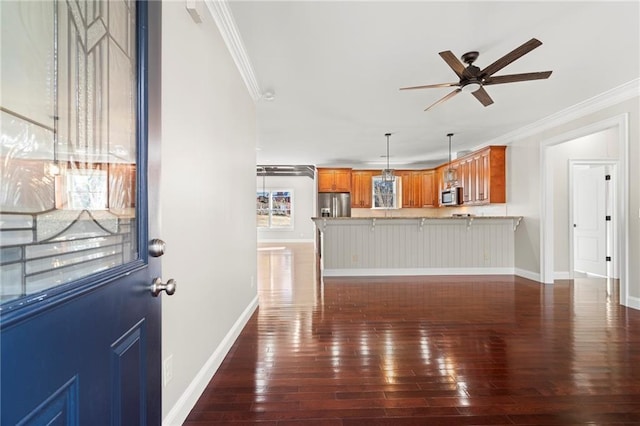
[[418, 217]]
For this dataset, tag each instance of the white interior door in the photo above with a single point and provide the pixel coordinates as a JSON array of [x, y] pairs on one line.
[[589, 223]]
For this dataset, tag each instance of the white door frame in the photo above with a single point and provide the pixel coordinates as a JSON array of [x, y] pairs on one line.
[[621, 124], [612, 269]]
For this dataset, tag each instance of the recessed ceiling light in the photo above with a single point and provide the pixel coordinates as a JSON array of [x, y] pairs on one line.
[[269, 96]]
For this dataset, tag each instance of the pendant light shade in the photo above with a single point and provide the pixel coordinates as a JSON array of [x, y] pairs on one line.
[[450, 176], [387, 174]]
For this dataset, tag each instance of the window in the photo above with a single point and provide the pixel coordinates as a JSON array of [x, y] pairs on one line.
[[386, 195], [274, 209]]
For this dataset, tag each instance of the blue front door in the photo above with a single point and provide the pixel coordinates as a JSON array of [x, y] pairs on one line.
[[80, 329]]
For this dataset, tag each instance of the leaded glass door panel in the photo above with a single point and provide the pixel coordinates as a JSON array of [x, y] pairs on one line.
[[80, 328]]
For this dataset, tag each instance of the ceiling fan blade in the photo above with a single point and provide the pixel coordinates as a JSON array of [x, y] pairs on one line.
[[510, 57], [451, 60], [483, 96], [441, 100], [513, 78], [429, 86]]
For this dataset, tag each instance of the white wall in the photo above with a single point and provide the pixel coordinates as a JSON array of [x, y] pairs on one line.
[[524, 188], [207, 203], [303, 208]]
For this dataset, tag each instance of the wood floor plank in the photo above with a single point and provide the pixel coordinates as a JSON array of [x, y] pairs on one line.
[[432, 350]]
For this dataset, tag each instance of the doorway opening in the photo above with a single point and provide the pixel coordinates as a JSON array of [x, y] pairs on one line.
[[558, 247]]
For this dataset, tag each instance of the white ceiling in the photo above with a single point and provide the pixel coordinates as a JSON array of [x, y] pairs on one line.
[[335, 68]]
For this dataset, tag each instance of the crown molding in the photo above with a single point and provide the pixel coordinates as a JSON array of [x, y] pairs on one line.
[[219, 10], [606, 99]]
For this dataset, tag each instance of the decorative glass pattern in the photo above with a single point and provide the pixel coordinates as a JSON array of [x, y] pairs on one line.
[[67, 142]]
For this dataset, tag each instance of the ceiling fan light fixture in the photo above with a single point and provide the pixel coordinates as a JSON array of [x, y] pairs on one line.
[[471, 87]]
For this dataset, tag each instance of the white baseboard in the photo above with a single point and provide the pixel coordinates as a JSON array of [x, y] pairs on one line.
[[282, 241], [384, 272], [562, 275], [179, 412], [533, 276], [633, 302]]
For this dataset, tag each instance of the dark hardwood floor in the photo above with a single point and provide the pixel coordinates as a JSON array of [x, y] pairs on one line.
[[482, 350]]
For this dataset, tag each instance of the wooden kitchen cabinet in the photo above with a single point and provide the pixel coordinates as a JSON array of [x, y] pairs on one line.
[[334, 180], [429, 189], [493, 165], [411, 187], [361, 188], [440, 175], [466, 179], [482, 176]]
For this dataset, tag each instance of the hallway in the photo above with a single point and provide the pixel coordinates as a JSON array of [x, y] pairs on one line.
[[425, 351]]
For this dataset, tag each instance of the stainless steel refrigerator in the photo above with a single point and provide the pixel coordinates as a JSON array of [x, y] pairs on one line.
[[334, 204]]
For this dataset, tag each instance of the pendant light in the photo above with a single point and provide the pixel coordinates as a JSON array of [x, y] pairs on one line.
[[387, 174], [450, 178]]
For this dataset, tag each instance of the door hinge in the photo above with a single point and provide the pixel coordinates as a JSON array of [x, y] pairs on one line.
[[607, 177], [607, 218], [608, 258]]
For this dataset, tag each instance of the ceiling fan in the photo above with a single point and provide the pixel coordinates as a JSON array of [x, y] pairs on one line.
[[473, 79]]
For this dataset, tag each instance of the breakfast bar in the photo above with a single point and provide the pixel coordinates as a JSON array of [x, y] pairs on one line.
[[469, 245]]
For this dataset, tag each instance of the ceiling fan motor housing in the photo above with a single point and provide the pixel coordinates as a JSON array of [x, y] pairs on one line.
[[470, 57]]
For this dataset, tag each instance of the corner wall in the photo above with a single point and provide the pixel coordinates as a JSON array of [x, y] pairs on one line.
[[207, 204]]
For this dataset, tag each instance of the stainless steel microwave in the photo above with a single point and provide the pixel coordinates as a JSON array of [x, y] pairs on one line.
[[451, 197]]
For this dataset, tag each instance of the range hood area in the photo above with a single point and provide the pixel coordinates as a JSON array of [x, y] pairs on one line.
[[286, 170]]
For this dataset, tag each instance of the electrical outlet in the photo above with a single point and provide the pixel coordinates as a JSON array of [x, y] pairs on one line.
[[253, 281], [167, 370]]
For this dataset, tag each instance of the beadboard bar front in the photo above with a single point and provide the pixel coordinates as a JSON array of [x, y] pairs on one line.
[[478, 245]]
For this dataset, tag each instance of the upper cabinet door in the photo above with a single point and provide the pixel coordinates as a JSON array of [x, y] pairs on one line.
[[361, 188], [411, 188], [429, 198], [334, 180]]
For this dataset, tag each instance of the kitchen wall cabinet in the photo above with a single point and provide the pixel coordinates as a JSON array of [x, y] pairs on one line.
[[411, 187], [429, 189], [439, 178], [466, 179], [494, 188], [334, 180], [482, 176], [361, 188]]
